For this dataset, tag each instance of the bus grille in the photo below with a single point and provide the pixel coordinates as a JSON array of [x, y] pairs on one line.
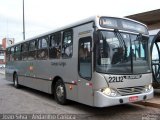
[[130, 90]]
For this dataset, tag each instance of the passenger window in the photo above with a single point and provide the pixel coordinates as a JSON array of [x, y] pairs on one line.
[[24, 49], [67, 44], [8, 53], [42, 52], [32, 50], [85, 58], [32, 45], [55, 46], [17, 55], [43, 43], [12, 54]]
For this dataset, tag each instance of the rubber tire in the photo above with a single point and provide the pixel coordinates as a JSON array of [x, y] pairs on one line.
[[63, 100], [15, 81]]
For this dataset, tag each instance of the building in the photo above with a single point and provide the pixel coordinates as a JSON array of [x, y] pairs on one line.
[[2, 54], [5, 43], [150, 18]]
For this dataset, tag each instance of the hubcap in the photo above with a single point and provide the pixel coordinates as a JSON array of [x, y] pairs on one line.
[[60, 91]]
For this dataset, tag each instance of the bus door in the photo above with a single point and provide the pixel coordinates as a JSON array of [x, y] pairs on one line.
[[85, 94]]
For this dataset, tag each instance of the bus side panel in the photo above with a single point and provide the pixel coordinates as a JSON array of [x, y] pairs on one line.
[[9, 71], [27, 77], [9, 76], [37, 84]]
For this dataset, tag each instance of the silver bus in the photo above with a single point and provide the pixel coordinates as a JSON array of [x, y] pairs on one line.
[[100, 61]]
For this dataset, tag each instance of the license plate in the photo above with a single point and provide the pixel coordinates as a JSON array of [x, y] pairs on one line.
[[133, 98]]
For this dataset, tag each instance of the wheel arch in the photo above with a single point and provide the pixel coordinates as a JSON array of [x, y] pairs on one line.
[[14, 73], [55, 79]]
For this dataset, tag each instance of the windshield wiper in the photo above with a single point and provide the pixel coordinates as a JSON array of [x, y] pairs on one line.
[[119, 36], [138, 39], [122, 42]]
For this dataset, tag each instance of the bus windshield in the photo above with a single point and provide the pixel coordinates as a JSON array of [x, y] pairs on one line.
[[122, 53]]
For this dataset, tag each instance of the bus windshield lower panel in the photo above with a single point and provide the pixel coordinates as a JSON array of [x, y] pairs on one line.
[[122, 53]]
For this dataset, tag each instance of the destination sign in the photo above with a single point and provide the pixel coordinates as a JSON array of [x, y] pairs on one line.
[[123, 24]]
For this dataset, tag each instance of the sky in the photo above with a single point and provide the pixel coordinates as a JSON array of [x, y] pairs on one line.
[[45, 15]]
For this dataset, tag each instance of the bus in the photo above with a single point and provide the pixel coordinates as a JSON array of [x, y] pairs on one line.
[[100, 61], [155, 54]]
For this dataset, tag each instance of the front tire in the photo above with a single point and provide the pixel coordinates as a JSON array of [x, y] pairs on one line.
[[60, 92], [15, 81]]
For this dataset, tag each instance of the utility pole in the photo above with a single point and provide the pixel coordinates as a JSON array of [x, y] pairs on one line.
[[23, 23]]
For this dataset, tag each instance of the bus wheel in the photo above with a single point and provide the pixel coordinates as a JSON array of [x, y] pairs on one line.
[[60, 92], [15, 81]]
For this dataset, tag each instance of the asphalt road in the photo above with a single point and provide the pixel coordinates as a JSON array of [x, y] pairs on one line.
[[29, 101]]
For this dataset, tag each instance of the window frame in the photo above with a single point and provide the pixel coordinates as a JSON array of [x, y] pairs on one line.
[[24, 51], [42, 49], [8, 53], [32, 50], [57, 37], [34, 45], [40, 40], [17, 52], [63, 38]]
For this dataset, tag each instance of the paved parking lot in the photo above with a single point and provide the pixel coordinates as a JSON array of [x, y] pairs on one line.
[[29, 101]]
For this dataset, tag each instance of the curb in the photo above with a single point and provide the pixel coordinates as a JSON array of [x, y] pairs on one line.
[[150, 104]]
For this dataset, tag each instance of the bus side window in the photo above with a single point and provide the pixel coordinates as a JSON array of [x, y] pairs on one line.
[[8, 53], [67, 44], [32, 50], [85, 57], [55, 46], [12, 54], [42, 52], [17, 52], [24, 51]]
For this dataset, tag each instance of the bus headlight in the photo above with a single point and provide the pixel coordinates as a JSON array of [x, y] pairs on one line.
[[109, 92], [148, 88]]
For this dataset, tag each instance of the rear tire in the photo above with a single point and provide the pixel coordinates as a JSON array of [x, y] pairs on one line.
[[15, 81], [60, 92]]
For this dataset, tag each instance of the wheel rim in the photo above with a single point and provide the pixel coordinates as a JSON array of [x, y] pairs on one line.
[[60, 92]]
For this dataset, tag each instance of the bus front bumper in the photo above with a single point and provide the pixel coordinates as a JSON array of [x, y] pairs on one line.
[[101, 100]]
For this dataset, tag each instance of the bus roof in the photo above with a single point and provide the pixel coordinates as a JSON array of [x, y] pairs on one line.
[[87, 20]]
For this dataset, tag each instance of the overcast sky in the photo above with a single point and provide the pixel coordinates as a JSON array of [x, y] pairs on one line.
[[45, 15]]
